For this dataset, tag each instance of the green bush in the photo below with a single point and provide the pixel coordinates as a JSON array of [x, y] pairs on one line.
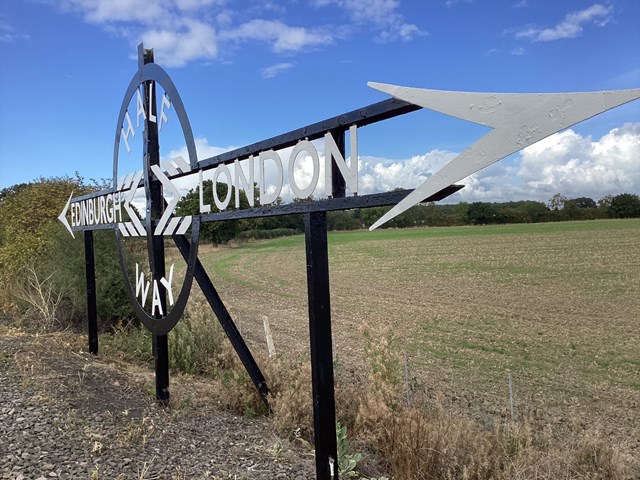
[[38, 255], [65, 260], [196, 341]]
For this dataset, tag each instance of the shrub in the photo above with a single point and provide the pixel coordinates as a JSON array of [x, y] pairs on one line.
[[196, 342], [32, 240]]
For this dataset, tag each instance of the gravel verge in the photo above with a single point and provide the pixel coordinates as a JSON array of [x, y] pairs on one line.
[[69, 415]]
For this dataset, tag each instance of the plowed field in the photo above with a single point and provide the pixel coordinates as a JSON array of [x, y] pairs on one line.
[[555, 305]]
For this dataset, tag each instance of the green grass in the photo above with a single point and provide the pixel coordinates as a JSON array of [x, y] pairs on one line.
[[337, 238], [554, 303]]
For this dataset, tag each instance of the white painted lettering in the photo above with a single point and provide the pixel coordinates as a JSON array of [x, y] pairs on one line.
[[167, 284], [222, 204], [152, 117], [163, 116], [332, 153], [103, 212], [109, 208], [304, 146], [204, 208], [91, 213], [139, 108], [241, 181], [265, 198], [129, 131], [142, 286], [117, 207], [156, 304]]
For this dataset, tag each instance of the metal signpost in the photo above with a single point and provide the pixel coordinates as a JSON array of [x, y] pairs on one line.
[[518, 120]]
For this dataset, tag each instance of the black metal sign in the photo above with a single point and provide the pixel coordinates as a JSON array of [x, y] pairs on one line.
[[153, 298], [119, 208]]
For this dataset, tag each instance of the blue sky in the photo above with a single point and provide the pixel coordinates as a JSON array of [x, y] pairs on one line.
[[250, 70]]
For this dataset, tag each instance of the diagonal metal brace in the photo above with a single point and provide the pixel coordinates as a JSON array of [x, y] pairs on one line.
[[230, 329]]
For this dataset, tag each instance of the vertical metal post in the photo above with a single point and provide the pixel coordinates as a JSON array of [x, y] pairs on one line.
[[90, 269], [155, 208], [324, 408], [338, 184]]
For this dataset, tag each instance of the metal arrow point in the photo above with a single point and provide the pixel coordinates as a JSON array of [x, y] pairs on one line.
[[170, 193], [63, 216], [518, 120]]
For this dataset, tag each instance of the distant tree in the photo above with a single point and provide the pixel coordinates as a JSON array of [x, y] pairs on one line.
[[557, 202], [625, 205], [480, 213], [459, 213], [583, 202], [605, 202], [344, 220], [533, 211]]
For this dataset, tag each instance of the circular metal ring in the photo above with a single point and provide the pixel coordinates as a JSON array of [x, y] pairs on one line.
[[164, 324]]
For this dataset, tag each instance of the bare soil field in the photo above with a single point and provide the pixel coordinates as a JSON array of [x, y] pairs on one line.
[[554, 305]]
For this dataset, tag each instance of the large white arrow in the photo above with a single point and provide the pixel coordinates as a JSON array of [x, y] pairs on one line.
[[518, 120]]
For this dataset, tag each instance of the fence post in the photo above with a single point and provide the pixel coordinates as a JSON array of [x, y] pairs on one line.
[[90, 269]]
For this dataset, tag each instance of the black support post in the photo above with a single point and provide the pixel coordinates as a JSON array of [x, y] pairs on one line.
[[338, 185], [324, 408], [90, 269], [155, 208]]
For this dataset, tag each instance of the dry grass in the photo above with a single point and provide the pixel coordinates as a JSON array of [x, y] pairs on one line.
[[555, 305]]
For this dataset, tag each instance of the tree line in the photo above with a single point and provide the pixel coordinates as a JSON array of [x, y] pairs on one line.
[[40, 263], [558, 208]]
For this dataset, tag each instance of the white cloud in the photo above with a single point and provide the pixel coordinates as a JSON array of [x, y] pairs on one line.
[[382, 14], [566, 163], [275, 70], [517, 51], [381, 175], [175, 29], [192, 5], [575, 165], [203, 150], [177, 47], [281, 37], [571, 26], [101, 11], [184, 31], [8, 34]]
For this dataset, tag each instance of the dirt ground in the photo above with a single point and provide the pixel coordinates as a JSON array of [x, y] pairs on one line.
[[556, 308]]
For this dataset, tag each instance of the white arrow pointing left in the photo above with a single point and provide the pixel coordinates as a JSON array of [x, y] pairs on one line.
[[63, 216]]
